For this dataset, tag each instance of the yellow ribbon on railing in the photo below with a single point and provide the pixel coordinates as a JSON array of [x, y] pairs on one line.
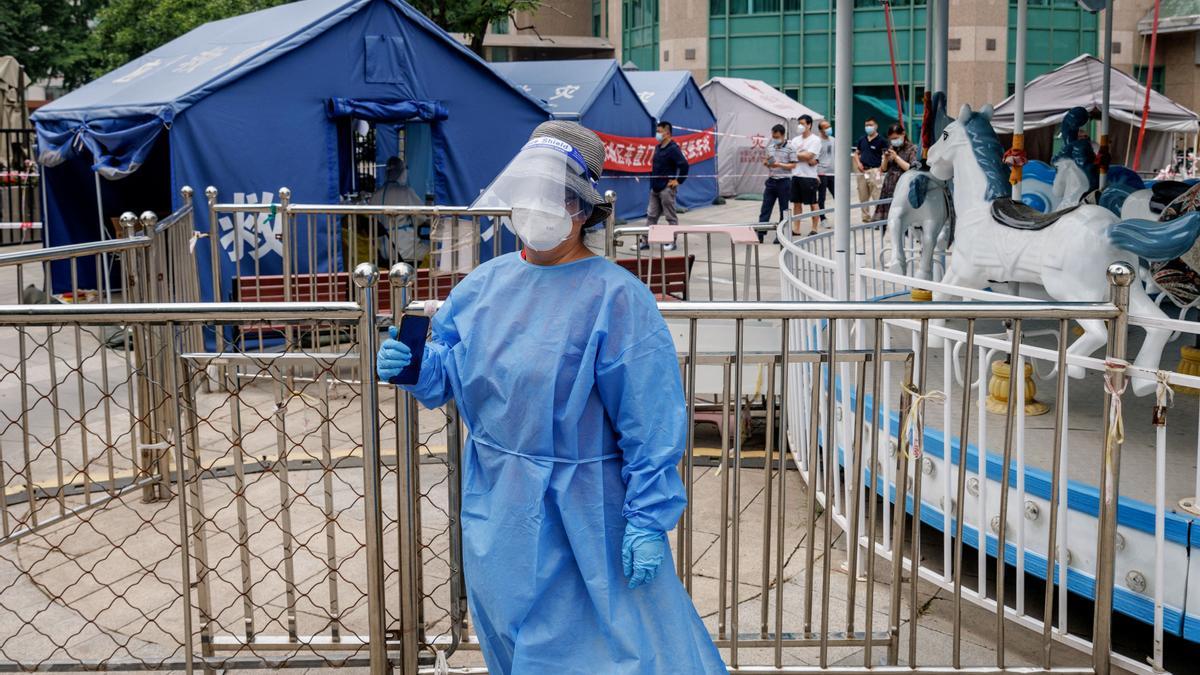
[[1164, 397], [912, 430], [1116, 428]]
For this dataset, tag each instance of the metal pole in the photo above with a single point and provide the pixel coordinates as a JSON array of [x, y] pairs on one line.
[[1120, 276], [1105, 93], [941, 40], [843, 107], [366, 276], [610, 223], [1018, 141]]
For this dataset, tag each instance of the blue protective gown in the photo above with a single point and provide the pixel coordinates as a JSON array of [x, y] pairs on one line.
[[568, 382]]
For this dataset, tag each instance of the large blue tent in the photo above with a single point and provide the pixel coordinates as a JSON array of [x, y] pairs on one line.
[[268, 99], [595, 93], [674, 96]]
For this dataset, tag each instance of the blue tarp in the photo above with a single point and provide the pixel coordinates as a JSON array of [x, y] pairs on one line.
[[673, 96], [595, 93], [253, 103]]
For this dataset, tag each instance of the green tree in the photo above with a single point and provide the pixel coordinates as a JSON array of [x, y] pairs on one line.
[[127, 29], [49, 37], [472, 17]]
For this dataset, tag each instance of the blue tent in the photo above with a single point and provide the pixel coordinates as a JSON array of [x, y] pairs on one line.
[[673, 96], [595, 93], [268, 99]]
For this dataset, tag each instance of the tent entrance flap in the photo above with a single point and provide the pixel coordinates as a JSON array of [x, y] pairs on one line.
[[118, 146]]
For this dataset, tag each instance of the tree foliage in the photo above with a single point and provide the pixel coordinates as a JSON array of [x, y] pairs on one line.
[[49, 37], [79, 40], [127, 29], [472, 17]]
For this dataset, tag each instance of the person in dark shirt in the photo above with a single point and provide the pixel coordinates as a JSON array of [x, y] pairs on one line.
[[868, 156], [668, 169]]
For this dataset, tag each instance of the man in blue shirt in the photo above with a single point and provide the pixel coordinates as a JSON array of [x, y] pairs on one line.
[[868, 156], [668, 169]]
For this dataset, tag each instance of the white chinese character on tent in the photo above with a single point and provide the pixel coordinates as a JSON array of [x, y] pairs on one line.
[[139, 71], [645, 95], [565, 91], [199, 60], [258, 234]]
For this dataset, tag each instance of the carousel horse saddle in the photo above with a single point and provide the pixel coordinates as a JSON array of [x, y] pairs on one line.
[[1019, 216], [1164, 192]]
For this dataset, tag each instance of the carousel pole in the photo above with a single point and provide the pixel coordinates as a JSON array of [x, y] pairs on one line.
[[843, 112], [941, 42], [1104, 157], [1015, 157]]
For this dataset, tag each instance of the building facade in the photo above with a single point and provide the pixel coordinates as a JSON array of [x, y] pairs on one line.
[[789, 44]]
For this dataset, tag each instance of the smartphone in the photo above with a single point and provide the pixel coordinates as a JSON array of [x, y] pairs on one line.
[[413, 331]]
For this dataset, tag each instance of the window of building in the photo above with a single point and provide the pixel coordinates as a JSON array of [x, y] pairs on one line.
[[500, 26], [1158, 83], [1058, 31], [597, 19], [639, 33]]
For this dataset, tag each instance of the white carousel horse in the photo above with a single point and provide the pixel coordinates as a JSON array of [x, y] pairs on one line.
[[1066, 253], [921, 205]]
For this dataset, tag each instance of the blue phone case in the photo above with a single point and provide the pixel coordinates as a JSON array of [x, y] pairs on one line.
[[413, 331]]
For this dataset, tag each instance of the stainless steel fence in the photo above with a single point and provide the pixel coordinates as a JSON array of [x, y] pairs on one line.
[[240, 508]]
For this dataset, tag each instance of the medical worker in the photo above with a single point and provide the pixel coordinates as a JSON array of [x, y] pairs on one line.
[[567, 378]]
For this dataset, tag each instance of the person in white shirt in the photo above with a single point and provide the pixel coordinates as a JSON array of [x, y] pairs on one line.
[[805, 183]]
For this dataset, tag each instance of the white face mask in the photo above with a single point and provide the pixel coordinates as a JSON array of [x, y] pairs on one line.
[[897, 142], [541, 226], [801, 128], [869, 129], [658, 136]]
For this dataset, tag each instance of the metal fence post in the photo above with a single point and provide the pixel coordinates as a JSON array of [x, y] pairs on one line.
[[402, 276], [366, 276], [610, 224], [1120, 276]]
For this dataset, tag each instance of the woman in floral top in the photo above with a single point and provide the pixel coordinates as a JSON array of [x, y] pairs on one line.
[[897, 159]]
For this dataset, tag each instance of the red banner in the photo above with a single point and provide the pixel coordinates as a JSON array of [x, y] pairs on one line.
[[634, 155]]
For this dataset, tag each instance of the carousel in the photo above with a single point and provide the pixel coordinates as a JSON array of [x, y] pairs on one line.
[[979, 220]]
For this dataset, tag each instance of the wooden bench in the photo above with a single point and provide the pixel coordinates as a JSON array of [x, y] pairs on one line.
[[667, 276], [331, 287]]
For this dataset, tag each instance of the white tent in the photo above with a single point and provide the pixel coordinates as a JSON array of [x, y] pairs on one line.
[[746, 110], [1079, 83]]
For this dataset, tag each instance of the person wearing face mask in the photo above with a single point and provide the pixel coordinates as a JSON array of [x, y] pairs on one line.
[[396, 191], [668, 168], [804, 174], [825, 163], [781, 158], [566, 376], [868, 158], [897, 159]]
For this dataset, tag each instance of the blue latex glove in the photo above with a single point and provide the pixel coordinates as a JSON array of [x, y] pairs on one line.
[[393, 356], [642, 553]]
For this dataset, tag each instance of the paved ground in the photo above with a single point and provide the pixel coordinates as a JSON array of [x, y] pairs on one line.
[[282, 548]]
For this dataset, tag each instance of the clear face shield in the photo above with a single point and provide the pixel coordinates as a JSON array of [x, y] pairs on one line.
[[542, 185]]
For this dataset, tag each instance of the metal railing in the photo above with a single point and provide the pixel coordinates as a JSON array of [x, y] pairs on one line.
[[20, 189], [248, 512], [1152, 560]]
